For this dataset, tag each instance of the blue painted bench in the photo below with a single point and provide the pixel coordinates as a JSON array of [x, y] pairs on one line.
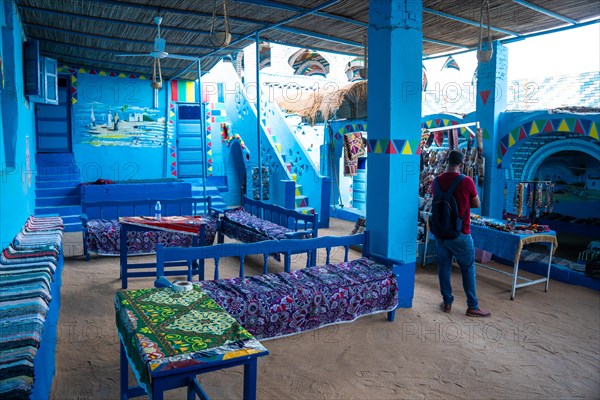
[[256, 221], [101, 231], [289, 302]]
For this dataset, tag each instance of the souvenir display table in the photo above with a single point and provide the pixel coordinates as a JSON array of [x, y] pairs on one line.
[[506, 240], [186, 225], [169, 337]]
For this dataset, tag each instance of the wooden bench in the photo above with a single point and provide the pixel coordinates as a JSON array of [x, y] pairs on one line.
[[304, 299], [256, 221]]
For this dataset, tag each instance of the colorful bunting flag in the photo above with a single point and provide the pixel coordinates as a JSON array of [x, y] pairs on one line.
[[450, 63]]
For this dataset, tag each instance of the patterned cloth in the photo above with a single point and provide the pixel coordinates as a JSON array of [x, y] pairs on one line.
[[353, 148], [241, 225], [163, 329], [245, 227], [27, 268], [286, 303], [104, 237]]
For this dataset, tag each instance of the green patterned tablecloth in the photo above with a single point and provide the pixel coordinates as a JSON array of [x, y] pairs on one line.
[[164, 330]]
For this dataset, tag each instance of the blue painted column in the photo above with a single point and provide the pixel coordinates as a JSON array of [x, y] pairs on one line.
[[394, 104], [492, 93]]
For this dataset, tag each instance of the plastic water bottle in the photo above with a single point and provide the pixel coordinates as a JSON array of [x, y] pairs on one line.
[[157, 211]]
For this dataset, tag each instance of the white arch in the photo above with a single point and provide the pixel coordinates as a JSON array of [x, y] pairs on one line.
[[536, 159]]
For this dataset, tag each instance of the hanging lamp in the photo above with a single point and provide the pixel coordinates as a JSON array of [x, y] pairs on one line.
[[156, 77], [485, 49], [363, 71], [217, 38]]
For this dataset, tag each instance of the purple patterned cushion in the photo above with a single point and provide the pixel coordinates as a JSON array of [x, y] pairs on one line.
[[104, 238], [286, 303], [266, 228]]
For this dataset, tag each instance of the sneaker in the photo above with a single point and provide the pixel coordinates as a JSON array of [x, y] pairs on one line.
[[446, 307], [478, 312]]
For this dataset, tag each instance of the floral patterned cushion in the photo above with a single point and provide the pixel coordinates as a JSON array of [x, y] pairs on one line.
[[286, 303], [104, 238]]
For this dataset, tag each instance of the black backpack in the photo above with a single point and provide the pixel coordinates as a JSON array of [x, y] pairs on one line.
[[444, 222]]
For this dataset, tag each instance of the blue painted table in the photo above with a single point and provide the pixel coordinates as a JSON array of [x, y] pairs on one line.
[[508, 245], [169, 337]]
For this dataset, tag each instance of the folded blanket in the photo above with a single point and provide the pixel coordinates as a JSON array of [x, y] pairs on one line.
[[27, 291], [15, 369], [20, 353], [22, 309], [24, 268], [9, 280], [24, 332], [16, 388], [11, 252]]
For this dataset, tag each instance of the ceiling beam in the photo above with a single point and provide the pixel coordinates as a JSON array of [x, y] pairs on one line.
[[119, 22], [290, 7], [545, 11], [443, 43], [319, 36], [177, 11], [61, 57], [467, 21], [87, 48], [103, 37]]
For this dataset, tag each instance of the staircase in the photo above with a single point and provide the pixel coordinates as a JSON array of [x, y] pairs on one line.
[[215, 185], [301, 201], [57, 188]]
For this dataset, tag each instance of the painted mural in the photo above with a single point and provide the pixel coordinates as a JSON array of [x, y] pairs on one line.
[[111, 111]]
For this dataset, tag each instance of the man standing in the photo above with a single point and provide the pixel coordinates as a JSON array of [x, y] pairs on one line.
[[461, 247]]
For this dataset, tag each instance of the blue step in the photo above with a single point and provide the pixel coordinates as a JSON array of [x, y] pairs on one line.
[[57, 184], [57, 173], [72, 223], [58, 201], [42, 159], [60, 210], [57, 191]]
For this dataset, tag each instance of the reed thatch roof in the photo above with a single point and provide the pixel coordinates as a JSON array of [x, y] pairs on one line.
[[349, 102], [91, 32]]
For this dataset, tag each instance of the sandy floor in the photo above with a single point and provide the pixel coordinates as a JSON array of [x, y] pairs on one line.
[[542, 345]]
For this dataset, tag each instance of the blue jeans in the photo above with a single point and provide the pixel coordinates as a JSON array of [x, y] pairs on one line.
[[462, 248]]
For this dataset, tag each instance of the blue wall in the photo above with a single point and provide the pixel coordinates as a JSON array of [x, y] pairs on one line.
[[136, 150], [16, 129]]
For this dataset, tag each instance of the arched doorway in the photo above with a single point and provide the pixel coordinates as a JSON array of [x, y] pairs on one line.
[[236, 175], [576, 176]]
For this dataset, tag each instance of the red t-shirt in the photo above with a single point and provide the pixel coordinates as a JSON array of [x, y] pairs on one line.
[[463, 195]]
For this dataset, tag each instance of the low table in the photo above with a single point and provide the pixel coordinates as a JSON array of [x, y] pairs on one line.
[[188, 225], [508, 245], [169, 337]]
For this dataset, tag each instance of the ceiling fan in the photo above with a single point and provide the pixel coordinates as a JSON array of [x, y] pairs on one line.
[[158, 52]]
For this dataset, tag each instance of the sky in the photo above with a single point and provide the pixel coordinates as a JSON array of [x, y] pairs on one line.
[[568, 52]]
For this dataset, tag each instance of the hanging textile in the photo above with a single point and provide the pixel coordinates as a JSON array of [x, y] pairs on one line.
[[353, 149], [539, 200], [519, 197], [438, 137], [549, 204]]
